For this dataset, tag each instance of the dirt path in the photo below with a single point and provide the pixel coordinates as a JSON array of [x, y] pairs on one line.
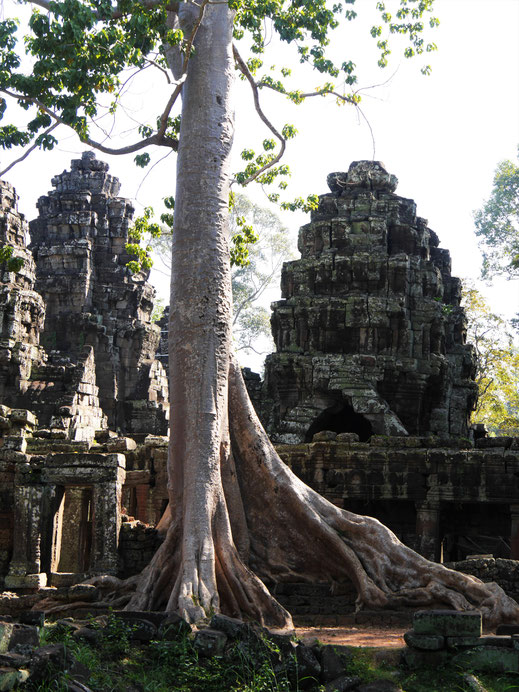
[[387, 637]]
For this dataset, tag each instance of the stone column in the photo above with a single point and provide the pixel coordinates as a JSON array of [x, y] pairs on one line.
[[514, 532], [25, 566], [107, 519], [428, 529]]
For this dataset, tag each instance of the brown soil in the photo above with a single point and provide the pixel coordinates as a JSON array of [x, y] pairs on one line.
[[358, 635]]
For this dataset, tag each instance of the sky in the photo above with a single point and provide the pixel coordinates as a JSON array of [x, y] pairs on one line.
[[441, 135]]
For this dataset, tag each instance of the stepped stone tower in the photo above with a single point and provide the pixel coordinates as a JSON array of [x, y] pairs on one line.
[[22, 310], [92, 299], [370, 335]]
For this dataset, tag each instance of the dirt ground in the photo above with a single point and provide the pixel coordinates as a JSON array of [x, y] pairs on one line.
[[358, 635]]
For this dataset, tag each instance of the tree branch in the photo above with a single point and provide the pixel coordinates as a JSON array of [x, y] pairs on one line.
[[242, 66], [159, 138], [29, 151], [116, 14]]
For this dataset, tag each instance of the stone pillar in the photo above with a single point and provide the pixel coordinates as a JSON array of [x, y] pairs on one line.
[[107, 520], [25, 567], [514, 532], [428, 529]]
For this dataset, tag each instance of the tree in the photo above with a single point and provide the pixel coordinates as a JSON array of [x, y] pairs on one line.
[[497, 365], [236, 514], [267, 244], [497, 224]]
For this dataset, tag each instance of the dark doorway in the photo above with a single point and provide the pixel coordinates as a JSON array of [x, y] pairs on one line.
[[471, 528], [341, 418]]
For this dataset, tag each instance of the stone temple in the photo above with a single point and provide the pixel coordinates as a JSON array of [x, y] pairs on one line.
[[370, 336], [368, 395]]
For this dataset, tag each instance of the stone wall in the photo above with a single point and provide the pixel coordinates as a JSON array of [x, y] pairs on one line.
[[445, 502], [503, 572]]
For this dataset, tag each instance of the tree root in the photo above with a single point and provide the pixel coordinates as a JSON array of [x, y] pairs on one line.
[[296, 533]]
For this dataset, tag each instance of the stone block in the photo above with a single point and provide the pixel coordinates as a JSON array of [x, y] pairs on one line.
[[343, 683], [209, 642], [331, 663], [32, 617], [462, 642], [451, 623], [6, 630], [173, 626], [83, 592], [324, 436], [232, 627], [23, 637], [418, 659], [11, 678], [19, 415], [496, 640], [348, 438], [488, 659], [46, 660], [60, 579], [27, 581], [424, 642]]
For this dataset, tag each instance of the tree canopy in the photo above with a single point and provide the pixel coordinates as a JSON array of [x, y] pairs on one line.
[[82, 56], [497, 365], [497, 224]]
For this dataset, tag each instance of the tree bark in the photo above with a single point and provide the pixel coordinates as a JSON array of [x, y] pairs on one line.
[[237, 512]]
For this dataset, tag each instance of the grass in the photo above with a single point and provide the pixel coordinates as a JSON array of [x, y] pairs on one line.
[[117, 664]]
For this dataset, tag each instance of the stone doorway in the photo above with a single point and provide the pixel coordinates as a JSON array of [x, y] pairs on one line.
[[474, 529], [340, 418], [66, 544], [76, 533]]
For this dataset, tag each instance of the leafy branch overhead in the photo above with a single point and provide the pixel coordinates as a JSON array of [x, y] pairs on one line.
[[84, 54]]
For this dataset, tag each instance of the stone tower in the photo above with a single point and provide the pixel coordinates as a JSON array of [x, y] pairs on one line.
[[370, 335], [92, 299], [22, 310]]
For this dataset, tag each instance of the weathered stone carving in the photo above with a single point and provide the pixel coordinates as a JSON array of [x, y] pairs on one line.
[[370, 336]]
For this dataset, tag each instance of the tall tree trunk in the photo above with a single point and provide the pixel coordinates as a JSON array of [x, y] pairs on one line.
[[230, 522], [198, 566]]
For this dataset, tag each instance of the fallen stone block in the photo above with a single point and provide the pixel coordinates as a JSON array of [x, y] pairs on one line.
[[451, 623], [488, 659], [210, 642], [343, 683], [424, 642], [332, 664], [11, 678], [465, 642]]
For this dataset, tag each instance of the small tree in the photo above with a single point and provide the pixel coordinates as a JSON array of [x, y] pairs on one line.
[[262, 271], [497, 224], [497, 365]]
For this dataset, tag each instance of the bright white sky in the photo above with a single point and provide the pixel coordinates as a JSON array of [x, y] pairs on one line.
[[441, 135]]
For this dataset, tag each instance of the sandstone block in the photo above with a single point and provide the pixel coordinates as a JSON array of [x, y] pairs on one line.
[[451, 623]]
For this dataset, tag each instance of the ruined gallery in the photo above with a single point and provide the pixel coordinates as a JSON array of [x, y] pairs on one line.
[[367, 397]]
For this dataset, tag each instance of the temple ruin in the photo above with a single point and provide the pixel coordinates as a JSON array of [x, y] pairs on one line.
[[370, 336], [368, 395]]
